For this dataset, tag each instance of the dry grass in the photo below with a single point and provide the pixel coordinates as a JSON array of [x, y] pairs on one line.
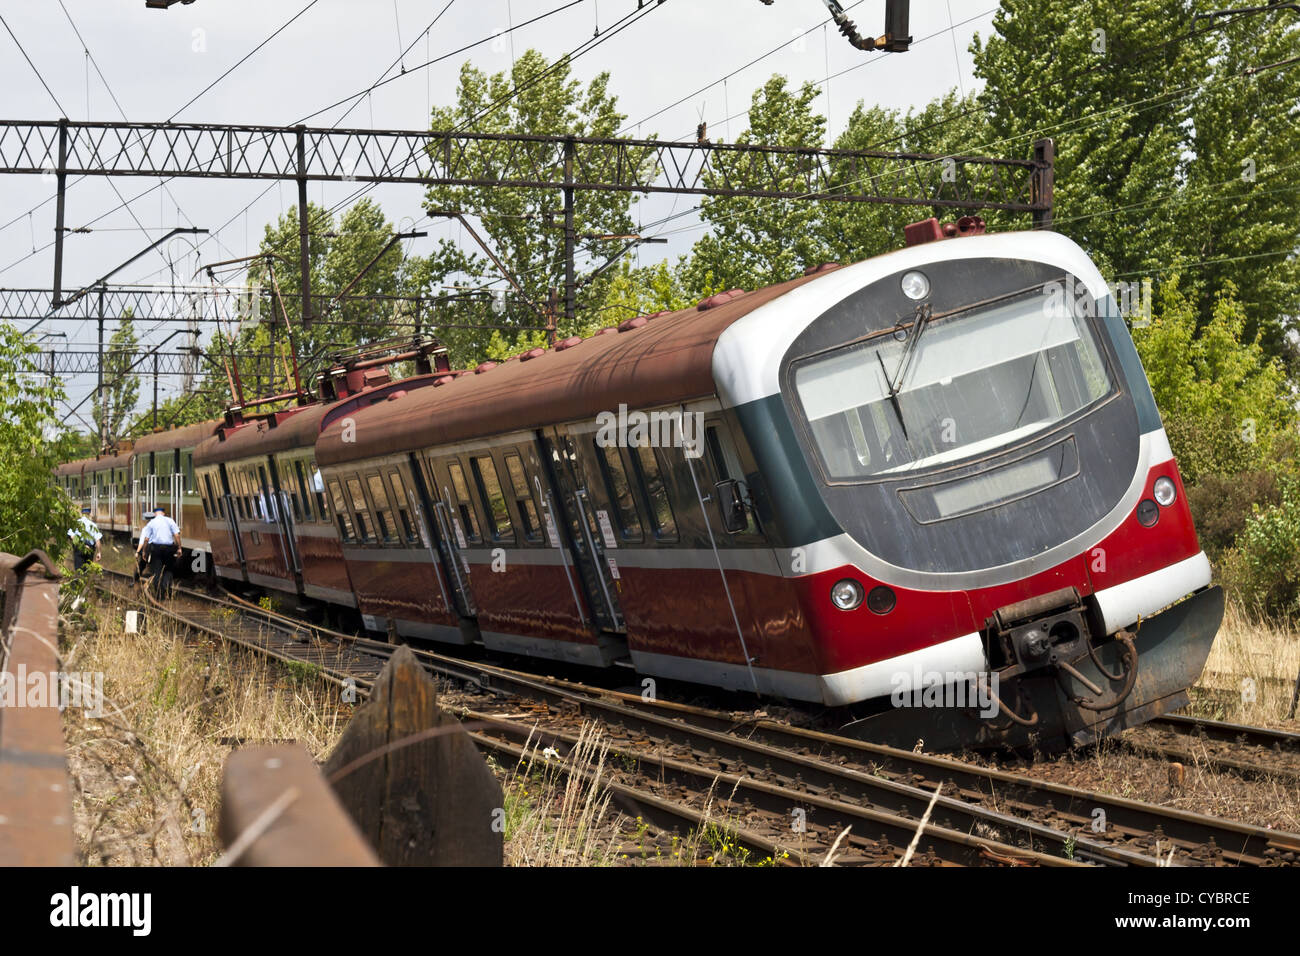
[[1249, 659], [146, 775], [559, 812]]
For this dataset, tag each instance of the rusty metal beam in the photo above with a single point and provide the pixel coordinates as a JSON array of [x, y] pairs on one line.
[[35, 799], [312, 154]]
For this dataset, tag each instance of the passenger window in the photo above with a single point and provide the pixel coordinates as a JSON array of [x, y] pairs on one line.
[[265, 493], [494, 498], [302, 491], [523, 498], [726, 464], [383, 512], [620, 492], [318, 489], [402, 502], [290, 490], [359, 511], [655, 491], [459, 487], [341, 512]]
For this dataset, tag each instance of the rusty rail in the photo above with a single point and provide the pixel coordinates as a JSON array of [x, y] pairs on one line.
[[35, 803]]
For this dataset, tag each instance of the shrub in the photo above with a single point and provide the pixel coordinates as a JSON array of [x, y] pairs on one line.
[[1223, 504], [1266, 568]]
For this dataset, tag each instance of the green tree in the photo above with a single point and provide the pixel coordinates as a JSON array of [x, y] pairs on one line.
[[1240, 216], [1226, 403], [339, 251], [522, 226], [1103, 79], [754, 242], [33, 512], [1176, 141], [947, 126], [121, 391]]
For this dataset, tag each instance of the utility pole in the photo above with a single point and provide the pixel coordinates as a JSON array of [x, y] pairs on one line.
[[155, 389], [100, 399], [570, 279], [304, 239]]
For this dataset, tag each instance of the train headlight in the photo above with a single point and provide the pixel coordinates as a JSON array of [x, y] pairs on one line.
[[915, 285], [1165, 492], [1148, 512], [881, 600], [846, 594]]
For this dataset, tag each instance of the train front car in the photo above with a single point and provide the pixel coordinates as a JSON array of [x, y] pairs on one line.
[[984, 519]]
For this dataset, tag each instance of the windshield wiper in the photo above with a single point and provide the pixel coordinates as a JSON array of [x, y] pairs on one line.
[[893, 396], [918, 327]]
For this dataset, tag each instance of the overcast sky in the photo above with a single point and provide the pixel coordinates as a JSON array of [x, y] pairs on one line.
[[155, 62]]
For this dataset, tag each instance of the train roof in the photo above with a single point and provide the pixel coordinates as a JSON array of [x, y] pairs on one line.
[[72, 467], [280, 431], [294, 427], [654, 361], [185, 437], [104, 462]]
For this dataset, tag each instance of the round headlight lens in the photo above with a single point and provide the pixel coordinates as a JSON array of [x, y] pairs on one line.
[[1165, 492], [1148, 512], [915, 285], [881, 600], [846, 594]]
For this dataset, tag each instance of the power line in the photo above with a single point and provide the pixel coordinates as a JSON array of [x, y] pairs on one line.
[[739, 69], [242, 60], [62, 111]]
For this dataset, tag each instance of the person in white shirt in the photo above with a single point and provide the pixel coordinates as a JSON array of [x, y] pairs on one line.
[[163, 537], [85, 541]]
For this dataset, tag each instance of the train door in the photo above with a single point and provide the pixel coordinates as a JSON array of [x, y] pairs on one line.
[[94, 494], [448, 535], [231, 518], [587, 535], [274, 511]]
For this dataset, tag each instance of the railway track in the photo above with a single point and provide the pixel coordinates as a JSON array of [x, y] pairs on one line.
[[1254, 753], [795, 790], [754, 814]]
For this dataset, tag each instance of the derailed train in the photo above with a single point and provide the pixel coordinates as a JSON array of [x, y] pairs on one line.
[[936, 478]]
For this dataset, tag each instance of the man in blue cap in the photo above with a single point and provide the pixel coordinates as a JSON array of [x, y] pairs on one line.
[[85, 541], [162, 536]]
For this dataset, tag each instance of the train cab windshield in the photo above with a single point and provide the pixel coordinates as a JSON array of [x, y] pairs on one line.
[[950, 388]]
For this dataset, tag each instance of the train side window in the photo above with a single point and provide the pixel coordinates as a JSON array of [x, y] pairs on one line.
[[265, 491], [620, 492], [360, 514], [318, 489], [463, 504], [494, 499], [402, 503], [302, 490], [523, 497], [383, 510], [726, 464], [256, 496], [290, 490], [187, 469], [346, 531], [651, 479]]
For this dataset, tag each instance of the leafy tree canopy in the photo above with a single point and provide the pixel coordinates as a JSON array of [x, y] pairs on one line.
[[33, 512]]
